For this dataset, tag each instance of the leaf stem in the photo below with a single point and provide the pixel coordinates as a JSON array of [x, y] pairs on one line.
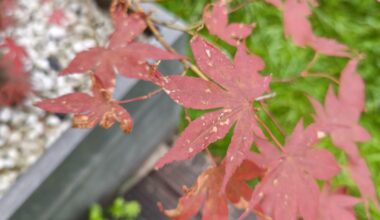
[[311, 63], [306, 73], [322, 75], [269, 114], [173, 26], [269, 132], [162, 41], [317, 75], [241, 5], [147, 96]]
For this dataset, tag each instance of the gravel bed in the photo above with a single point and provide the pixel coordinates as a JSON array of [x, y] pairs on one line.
[[25, 131]]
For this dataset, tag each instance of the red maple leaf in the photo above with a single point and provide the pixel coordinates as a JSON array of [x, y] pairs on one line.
[[336, 205], [127, 27], [289, 189], [341, 114], [14, 82], [90, 110], [12, 52], [279, 3], [126, 57], [298, 27], [233, 89], [216, 22], [206, 192], [6, 7], [57, 16], [360, 173], [340, 119]]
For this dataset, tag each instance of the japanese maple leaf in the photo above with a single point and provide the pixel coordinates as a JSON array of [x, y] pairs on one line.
[[14, 82], [57, 16], [289, 189], [360, 173], [14, 85], [298, 27], [127, 27], [206, 193], [12, 52], [340, 115], [127, 57], [6, 7], [90, 110], [279, 3], [216, 22], [233, 89], [336, 205], [340, 119]]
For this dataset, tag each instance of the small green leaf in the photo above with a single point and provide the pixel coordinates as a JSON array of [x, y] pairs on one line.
[[117, 208], [96, 212], [132, 209]]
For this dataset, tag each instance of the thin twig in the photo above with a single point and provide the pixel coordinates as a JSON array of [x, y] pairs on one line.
[[318, 75], [310, 64], [269, 132], [322, 75], [173, 26], [269, 114], [241, 5], [162, 41], [147, 96], [306, 73]]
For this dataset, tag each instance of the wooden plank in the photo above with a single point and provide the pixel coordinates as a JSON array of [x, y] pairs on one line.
[[165, 186]]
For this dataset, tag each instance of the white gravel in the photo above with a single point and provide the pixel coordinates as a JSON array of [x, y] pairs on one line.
[[25, 131]]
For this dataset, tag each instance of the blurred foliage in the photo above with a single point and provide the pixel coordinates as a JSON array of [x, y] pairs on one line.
[[355, 23], [119, 210]]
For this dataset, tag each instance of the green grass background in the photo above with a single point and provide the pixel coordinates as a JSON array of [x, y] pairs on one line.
[[355, 23]]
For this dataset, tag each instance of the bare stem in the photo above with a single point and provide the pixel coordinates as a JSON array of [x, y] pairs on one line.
[[162, 41], [269, 114], [322, 75], [173, 26], [311, 63], [147, 96], [241, 5], [269, 132], [306, 73]]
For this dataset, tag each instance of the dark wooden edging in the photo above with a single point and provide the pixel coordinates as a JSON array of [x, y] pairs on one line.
[[85, 165]]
